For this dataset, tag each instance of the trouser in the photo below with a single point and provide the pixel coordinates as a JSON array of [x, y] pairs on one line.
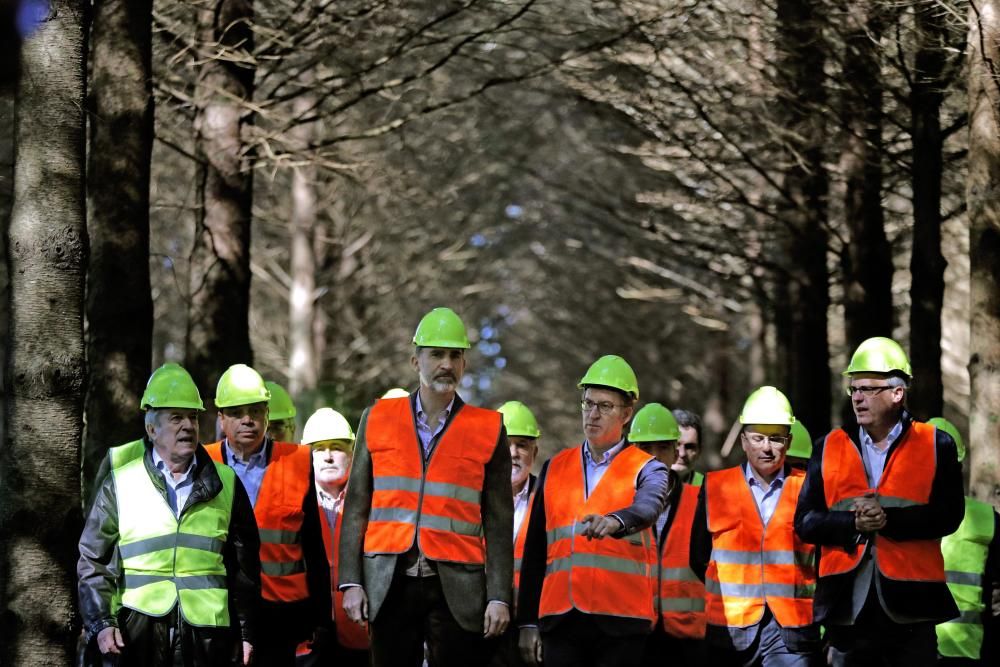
[[768, 649], [415, 611], [326, 650], [579, 641], [875, 639], [167, 641], [507, 653], [661, 649], [281, 626]]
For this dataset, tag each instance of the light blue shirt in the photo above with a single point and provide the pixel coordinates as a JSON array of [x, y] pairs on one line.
[[594, 470], [765, 497], [875, 457], [424, 432], [178, 490], [251, 472]]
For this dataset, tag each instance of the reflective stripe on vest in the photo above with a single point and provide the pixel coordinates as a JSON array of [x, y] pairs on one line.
[[906, 482], [166, 561], [439, 507], [612, 577], [279, 514], [681, 599], [522, 533], [752, 565], [965, 553]]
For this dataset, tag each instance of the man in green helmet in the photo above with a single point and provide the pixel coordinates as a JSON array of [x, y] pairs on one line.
[[169, 571], [425, 547], [880, 493], [972, 566], [280, 414], [585, 587]]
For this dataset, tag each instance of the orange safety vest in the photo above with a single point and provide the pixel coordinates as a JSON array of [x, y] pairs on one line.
[[439, 507], [681, 602], [279, 515], [906, 482], [612, 577], [349, 634], [753, 565], [522, 533]]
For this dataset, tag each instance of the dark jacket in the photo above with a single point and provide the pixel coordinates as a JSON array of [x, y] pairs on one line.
[[650, 498], [797, 640], [817, 524], [466, 588], [99, 568]]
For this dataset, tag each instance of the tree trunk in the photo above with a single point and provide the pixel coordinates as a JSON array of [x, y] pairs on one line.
[[40, 509], [302, 362], [218, 317], [866, 260], [806, 184], [119, 329], [927, 263], [983, 199]]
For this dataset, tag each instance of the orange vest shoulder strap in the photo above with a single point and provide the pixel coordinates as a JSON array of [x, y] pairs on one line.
[[215, 451]]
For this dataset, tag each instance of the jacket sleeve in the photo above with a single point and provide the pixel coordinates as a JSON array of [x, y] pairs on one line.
[[652, 487], [944, 512], [498, 522], [814, 523], [99, 567], [357, 504], [241, 557], [317, 564], [700, 550], [533, 560]]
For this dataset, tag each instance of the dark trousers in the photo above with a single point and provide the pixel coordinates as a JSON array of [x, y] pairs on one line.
[[662, 649], [281, 627], [877, 640], [415, 611], [507, 653], [768, 649], [579, 641], [167, 641]]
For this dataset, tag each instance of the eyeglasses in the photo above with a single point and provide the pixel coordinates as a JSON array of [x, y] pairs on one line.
[[758, 439], [866, 390], [604, 407]]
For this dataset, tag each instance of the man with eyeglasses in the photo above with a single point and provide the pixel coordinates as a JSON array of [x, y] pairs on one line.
[[759, 576], [879, 495], [587, 576], [278, 477]]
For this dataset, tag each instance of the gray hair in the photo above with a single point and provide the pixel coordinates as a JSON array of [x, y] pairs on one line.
[[898, 381], [152, 417]]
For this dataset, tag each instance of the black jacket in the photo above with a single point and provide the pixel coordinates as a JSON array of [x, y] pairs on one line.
[[817, 524], [99, 568]]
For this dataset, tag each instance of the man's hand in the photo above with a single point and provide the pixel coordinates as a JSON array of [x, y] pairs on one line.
[[529, 643], [247, 653], [496, 619], [356, 604], [868, 515], [600, 526], [109, 641]]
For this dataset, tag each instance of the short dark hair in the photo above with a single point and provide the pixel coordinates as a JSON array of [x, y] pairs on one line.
[[689, 419]]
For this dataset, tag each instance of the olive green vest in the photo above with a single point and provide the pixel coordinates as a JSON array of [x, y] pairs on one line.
[[965, 553], [166, 561]]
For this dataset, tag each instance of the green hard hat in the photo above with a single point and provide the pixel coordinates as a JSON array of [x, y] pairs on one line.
[[802, 444], [767, 405], [170, 386], [280, 405], [612, 371], [952, 430], [240, 385], [518, 420], [441, 328], [879, 355], [654, 423]]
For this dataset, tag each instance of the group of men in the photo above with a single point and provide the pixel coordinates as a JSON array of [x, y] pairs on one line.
[[426, 537]]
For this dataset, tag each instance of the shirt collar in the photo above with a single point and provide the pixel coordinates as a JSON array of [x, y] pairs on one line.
[[779, 479], [420, 407], [161, 465], [258, 458], [608, 455], [867, 441]]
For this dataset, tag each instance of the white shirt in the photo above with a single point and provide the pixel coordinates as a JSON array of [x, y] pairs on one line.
[[520, 507], [875, 457], [766, 497], [178, 490]]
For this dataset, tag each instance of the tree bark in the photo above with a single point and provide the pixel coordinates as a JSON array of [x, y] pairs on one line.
[[218, 316], [302, 362], [983, 199], [119, 329], [927, 263], [40, 509], [866, 260], [804, 335]]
